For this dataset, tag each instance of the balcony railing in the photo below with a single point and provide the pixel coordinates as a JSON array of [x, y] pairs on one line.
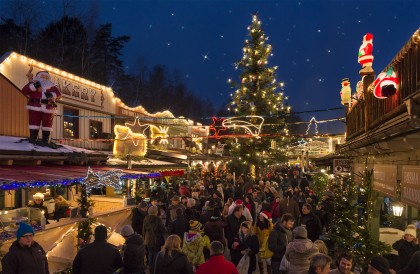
[[371, 112]]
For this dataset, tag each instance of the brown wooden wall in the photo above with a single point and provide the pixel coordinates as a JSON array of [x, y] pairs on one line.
[[13, 113]]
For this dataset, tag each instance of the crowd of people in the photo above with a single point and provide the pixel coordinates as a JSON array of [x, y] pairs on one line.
[[273, 224]]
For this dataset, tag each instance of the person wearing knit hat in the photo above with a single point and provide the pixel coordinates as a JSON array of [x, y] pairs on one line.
[[378, 265], [299, 251], [246, 243], [153, 231], [193, 244], [25, 255], [406, 246], [300, 232], [38, 202], [263, 228], [127, 231], [133, 250], [88, 261], [138, 214]]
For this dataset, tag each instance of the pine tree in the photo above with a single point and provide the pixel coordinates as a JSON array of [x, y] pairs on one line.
[[349, 210], [258, 94]]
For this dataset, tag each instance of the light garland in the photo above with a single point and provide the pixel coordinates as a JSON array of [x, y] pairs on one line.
[[109, 175], [253, 129], [159, 132], [313, 120]]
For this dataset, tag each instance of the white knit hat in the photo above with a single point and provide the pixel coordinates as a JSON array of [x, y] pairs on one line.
[[411, 230], [38, 195], [127, 231]]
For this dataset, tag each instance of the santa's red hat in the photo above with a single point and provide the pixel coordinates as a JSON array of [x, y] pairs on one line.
[[368, 37], [239, 202], [265, 214]]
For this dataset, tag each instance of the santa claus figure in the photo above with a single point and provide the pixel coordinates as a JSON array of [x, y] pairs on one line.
[[386, 84], [42, 94], [345, 92], [365, 56]]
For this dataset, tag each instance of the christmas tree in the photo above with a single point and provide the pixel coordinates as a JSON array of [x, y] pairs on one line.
[[349, 210], [258, 95]]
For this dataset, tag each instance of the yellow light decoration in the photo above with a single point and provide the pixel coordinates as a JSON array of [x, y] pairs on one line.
[[125, 134], [198, 141], [159, 132]]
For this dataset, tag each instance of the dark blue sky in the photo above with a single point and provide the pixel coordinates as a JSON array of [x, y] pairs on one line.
[[315, 43]]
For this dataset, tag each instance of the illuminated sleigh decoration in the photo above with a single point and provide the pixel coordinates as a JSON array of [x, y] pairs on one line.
[[252, 125]]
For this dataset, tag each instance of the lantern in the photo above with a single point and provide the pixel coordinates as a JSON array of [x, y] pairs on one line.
[[397, 209]]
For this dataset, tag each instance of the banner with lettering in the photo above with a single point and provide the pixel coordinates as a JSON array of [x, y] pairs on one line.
[[385, 179], [410, 185]]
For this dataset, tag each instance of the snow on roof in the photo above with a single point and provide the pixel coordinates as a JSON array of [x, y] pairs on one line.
[[14, 144]]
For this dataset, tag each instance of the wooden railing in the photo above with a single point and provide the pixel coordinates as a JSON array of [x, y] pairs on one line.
[[371, 112]]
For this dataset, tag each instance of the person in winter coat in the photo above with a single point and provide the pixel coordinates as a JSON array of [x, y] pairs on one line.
[[278, 240], [60, 208], [413, 265], [171, 215], [300, 251], [214, 228], [133, 251], [263, 227], [171, 260], [153, 230], [245, 210], [180, 225], [217, 262], [25, 255], [274, 209], [233, 221], [406, 246], [38, 202], [246, 243], [138, 214], [193, 244], [311, 222], [87, 259], [289, 205]]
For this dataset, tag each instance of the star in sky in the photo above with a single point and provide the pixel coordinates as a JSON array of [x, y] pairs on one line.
[[205, 57]]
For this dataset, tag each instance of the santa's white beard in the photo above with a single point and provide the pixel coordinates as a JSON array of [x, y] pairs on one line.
[[46, 84]]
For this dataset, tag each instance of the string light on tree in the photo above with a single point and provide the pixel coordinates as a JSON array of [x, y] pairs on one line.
[[260, 97]]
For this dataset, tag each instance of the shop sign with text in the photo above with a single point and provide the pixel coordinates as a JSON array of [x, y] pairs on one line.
[[410, 185], [385, 179]]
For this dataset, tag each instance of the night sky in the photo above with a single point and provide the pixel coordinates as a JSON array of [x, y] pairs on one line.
[[315, 43]]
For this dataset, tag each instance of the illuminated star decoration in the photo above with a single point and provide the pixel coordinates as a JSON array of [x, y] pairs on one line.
[[250, 126], [135, 128], [108, 178], [312, 121], [160, 132], [217, 126]]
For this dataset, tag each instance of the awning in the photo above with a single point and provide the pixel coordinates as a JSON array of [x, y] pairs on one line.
[[51, 173]]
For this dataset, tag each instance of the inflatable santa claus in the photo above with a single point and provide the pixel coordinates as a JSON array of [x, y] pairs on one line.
[[386, 84], [365, 57], [42, 95]]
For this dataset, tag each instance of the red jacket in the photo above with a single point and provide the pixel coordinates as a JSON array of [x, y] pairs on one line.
[[217, 264], [47, 104]]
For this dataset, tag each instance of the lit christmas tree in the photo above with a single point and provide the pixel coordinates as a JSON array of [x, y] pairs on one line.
[[258, 94]]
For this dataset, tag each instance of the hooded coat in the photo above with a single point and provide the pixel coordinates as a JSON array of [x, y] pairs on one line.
[[177, 263], [193, 246], [21, 259], [133, 254], [153, 230], [299, 253], [214, 229]]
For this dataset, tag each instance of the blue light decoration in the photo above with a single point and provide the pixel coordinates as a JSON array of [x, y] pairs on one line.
[[93, 179]]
